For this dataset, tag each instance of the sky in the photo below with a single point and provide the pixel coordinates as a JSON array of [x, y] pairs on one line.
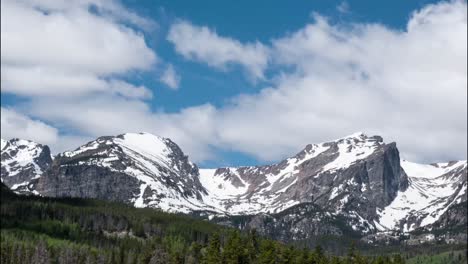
[[237, 82]]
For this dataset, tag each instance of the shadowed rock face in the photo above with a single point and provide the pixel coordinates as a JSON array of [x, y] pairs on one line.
[[357, 174], [74, 180], [23, 161], [139, 169]]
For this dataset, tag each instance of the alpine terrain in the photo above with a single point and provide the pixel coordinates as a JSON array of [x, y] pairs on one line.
[[355, 186]]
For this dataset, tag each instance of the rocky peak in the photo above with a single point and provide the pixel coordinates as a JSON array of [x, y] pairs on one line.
[[22, 162], [358, 178], [342, 174], [137, 168]]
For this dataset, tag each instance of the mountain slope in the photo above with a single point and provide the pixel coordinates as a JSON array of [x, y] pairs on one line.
[[433, 188], [140, 169], [355, 185], [23, 162], [353, 176]]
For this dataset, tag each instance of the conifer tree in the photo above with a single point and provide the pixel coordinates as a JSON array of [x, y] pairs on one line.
[[233, 251], [252, 245], [267, 252], [213, 254]]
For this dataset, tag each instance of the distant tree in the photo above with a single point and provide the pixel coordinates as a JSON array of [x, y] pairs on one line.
[[335, 260], [350, 259], [267, 252], [287, 255], [379, 260], [213, 253], [397, 259], [252, 246], [194, 254], [319, 255], [176, 248], [41, 254], [159, 256], [233, 252]]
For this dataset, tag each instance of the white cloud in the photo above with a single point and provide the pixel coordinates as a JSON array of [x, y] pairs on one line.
[[170, 77], [62, 48], [129, 90], [103, 115], [16, 125], [39, 81], [205, 45], [408, 86]]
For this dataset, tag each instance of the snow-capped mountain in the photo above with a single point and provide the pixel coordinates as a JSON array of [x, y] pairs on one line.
[[23, 162], [354, 184], [351, 177], [319, 173], [140, 169]]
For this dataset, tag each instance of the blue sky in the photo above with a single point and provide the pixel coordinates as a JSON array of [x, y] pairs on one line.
[[262, 80], [246, 21]]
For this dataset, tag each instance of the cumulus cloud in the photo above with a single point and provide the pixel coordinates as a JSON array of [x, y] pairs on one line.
[[63, 48], [408, 86], [170, 77], [104, 115], [16, 125], [40, 81], [203, 44]]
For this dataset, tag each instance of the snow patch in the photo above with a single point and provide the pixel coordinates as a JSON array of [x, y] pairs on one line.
[[428, 194]]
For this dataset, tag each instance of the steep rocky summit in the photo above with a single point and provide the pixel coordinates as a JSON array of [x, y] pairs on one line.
[[352, 176]]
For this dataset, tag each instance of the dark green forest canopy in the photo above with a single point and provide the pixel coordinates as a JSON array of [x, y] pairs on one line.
[[69, 230]]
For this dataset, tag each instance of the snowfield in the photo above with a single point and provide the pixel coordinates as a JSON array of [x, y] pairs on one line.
[[430, 192]]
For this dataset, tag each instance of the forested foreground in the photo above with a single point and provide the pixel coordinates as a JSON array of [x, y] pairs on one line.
[[45, 230]]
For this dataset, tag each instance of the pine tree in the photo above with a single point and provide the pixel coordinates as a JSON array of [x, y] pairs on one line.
[[319, 256], [194, 254], [213, 254], [233, 251], [267, 252], [287, 255], [251, 246]]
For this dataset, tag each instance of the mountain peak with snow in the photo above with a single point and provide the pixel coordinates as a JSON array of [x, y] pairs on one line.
[[23, 161], [141, 169], [358, 177]]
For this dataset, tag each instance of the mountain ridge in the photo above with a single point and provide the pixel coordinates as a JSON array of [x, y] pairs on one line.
[[357, 178]]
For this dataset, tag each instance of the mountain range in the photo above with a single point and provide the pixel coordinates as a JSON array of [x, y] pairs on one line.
[[354, 186]]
